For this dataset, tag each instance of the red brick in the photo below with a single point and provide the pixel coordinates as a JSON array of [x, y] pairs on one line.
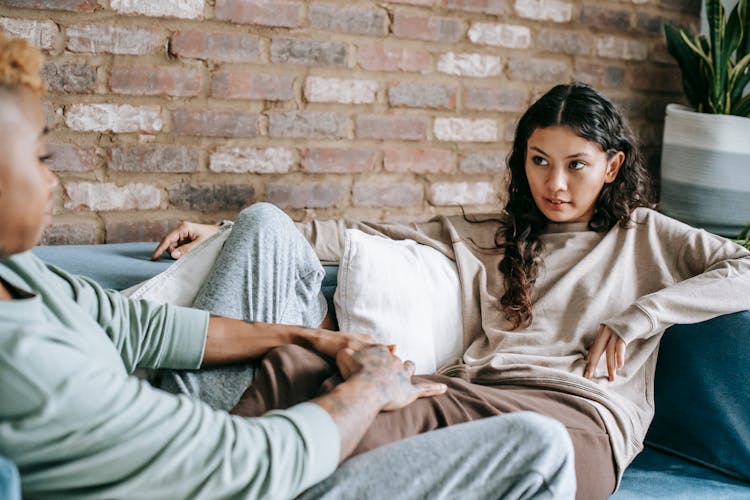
[[651, 24], [215, 123], [416, 2], [496, 7], [150, 80], [113, 117], [83, 233], [127, 231], [309, 52], [338, 160], [50, 115], [41, 34], [416, 95], [265, 12], [653, 78], [72, 158], [108, 196], [70, 78], [432, 28], [231, 47], [308, 124], [373, 22], [409, 128], [308, 195], [686, 7], [483, 162], [387, 195], [600, 75], [380, 57], [211, 197], [250, 84], [567, 42], [153, 158], [239, 160], [70, 5], [113, 39], [463, 193], [184, 9], [606, 18], [632, 106], [419, 160], [496, 99], [538, 69]]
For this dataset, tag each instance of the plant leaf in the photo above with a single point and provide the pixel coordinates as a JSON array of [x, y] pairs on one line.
[[743, 48], [743, 107], [734, 32], [716, 30], [688, 55], [739, 77]]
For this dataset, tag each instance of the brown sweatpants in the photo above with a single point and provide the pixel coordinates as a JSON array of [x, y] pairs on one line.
[[292, 374]]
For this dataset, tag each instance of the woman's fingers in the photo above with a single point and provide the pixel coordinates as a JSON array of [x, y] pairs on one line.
[[595, 353]]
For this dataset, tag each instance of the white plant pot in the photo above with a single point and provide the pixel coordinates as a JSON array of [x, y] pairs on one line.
[[705, 170]]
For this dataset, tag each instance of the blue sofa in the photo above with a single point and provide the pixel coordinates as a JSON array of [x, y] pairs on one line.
[[698, 446]]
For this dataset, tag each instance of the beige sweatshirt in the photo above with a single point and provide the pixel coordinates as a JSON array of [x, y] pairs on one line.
[[639, 281]]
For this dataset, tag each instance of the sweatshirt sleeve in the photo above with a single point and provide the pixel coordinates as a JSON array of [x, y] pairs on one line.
[[78, 428], [711, 278], [146, 334], [327, 236]]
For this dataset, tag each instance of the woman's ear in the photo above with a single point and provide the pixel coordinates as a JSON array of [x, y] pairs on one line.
[[613, 166]]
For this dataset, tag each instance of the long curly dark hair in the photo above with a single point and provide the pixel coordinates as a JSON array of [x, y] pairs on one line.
[[593, 117]]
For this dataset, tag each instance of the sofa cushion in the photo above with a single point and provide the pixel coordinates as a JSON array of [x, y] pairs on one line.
[[117, 265], [654, 474], [702, 395]]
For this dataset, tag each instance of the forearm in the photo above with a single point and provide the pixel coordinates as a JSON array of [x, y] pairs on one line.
[[230, 340], [353, 405]]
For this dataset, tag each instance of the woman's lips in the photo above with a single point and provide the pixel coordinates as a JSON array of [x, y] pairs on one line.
[[555, 204]]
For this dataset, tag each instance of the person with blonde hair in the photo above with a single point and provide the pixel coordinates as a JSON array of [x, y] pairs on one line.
[[79, 425]]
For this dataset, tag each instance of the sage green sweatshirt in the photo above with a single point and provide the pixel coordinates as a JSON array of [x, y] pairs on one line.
[[78, 425], [639, 281]]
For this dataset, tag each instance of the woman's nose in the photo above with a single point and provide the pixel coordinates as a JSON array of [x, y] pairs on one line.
[[557, 180]]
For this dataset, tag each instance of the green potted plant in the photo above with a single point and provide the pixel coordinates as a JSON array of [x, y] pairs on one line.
[[705, 166], [744, 238]]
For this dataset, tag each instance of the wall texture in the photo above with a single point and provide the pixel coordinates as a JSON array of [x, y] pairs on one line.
[[162, 110]]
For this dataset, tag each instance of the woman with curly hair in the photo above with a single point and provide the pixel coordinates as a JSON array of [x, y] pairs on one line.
[[78, 424], [564, 296]]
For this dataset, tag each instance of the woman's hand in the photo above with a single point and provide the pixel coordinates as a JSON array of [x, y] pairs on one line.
[[330, 343], [606, 340], [183, 238]]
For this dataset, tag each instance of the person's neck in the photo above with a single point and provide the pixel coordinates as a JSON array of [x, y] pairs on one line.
[[4, 292]]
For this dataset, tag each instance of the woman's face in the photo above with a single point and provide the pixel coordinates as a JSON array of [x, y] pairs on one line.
[[26, 184], [566, 173]]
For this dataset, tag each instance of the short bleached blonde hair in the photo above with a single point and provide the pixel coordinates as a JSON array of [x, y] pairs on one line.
[[20, 63]]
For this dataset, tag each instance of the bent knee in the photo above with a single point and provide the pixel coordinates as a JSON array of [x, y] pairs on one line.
[[549, 434], [262, 213]]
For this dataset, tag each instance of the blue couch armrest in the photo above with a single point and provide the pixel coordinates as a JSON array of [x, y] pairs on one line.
[[702, 394], [10, 484]]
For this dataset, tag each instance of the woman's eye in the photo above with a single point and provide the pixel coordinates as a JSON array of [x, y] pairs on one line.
[[577, 165], [538, 160], [45, 158]]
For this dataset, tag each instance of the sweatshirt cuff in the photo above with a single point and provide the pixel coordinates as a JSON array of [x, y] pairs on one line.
[[631, 324], [321, 436], [188, 337]]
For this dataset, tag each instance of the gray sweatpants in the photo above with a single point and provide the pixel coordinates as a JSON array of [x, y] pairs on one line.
[[267, 272]]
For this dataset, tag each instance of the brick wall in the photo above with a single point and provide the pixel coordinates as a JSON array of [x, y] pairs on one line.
[[162, 110]]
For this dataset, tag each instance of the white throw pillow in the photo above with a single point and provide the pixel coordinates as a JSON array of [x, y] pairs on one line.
[[401, 293]]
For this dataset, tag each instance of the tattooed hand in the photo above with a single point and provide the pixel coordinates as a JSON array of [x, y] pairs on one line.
[[375, 365]]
